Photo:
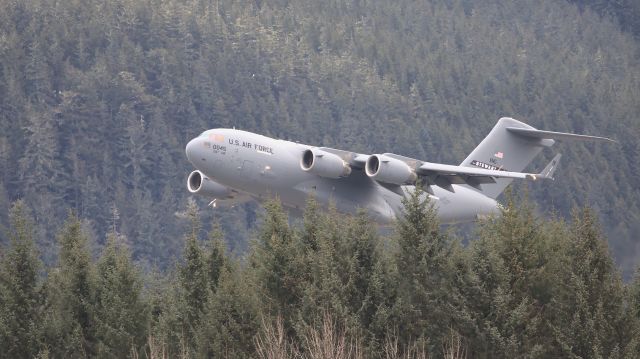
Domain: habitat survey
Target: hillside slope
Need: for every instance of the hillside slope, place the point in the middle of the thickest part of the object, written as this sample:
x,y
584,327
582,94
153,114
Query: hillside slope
x,y
97,100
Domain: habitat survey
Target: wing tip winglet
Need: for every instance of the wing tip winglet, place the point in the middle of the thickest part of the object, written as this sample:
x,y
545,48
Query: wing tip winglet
x,y
550,169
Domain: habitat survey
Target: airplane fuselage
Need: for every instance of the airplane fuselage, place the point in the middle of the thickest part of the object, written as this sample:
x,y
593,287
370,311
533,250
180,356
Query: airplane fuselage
x,y
262,167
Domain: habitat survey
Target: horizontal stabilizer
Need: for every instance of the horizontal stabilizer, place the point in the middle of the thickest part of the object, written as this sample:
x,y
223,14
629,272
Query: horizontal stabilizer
x,y
533,133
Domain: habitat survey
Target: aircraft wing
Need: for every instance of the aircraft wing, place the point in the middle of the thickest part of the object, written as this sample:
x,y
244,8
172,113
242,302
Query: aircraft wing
x,y
443,175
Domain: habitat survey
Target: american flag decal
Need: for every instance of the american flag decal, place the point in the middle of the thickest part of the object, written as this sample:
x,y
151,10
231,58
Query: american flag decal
x,y
499,155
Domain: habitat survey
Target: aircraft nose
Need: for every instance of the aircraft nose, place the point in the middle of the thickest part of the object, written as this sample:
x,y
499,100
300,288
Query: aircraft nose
x,y
190,150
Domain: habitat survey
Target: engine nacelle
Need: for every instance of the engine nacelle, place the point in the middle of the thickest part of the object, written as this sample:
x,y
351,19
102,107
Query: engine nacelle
x,y
202,185
324,164
389,170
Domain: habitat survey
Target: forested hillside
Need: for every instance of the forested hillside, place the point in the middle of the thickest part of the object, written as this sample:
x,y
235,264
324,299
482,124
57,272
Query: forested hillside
x,y
98,99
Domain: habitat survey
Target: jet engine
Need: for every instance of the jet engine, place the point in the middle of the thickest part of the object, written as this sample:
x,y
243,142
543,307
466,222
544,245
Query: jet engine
x,y
389,170
324,164
202,185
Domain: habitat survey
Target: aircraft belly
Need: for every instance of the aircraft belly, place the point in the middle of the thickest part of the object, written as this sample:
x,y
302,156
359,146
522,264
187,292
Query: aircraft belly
x,y
463,205
348,195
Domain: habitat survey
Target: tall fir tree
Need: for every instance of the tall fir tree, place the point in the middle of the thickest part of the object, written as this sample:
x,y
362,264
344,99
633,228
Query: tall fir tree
x,y
507,261
70,325
121,313
277,265
426,307
216,256
231,319
20,299
595,322
193,274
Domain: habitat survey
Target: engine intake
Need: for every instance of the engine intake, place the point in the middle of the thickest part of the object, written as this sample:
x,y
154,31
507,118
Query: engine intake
x,y
324,164
200,184
389,170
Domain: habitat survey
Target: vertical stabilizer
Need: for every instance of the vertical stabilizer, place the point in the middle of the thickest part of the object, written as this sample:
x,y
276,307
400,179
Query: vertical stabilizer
x,y
505,150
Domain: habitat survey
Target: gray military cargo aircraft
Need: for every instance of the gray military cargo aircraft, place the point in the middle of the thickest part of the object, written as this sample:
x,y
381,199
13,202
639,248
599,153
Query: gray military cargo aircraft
x,y
235,166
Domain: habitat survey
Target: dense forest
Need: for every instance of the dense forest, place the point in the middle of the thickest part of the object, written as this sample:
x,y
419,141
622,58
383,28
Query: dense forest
x,y
328,286
103,253
98,99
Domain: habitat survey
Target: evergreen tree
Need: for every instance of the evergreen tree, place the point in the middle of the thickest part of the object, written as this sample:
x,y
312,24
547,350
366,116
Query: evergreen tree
x,y
368,288
231,319
595,321
167,316
311,222
277,265
216,256
325,254
193,274
426,306
363,252
633,300
121,314
70,323
512,266
20,315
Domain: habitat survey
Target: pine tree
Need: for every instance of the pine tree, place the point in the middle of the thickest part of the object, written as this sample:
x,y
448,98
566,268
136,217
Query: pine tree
x,y
368,288
325,274
216,256
362,249
20,315
277,264
39,164
633,299
595,319
426,300
231,319
193,274
311,223
511,263
121,314
70,325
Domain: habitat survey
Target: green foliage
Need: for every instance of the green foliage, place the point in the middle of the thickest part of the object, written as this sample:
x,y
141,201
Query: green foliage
x,y
515,279
427,302
121,312
70,317
194,281
20,323
216,256
525,287
347,276
595,326
278,266
231,319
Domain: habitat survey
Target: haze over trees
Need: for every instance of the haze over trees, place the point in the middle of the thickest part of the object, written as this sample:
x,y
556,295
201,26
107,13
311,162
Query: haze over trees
x,y
98,99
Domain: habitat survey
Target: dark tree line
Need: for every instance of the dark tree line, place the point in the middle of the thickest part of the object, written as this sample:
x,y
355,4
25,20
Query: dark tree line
x,y
326,286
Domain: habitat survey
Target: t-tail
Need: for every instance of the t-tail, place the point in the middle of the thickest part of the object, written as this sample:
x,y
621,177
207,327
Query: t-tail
x,y
511,146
